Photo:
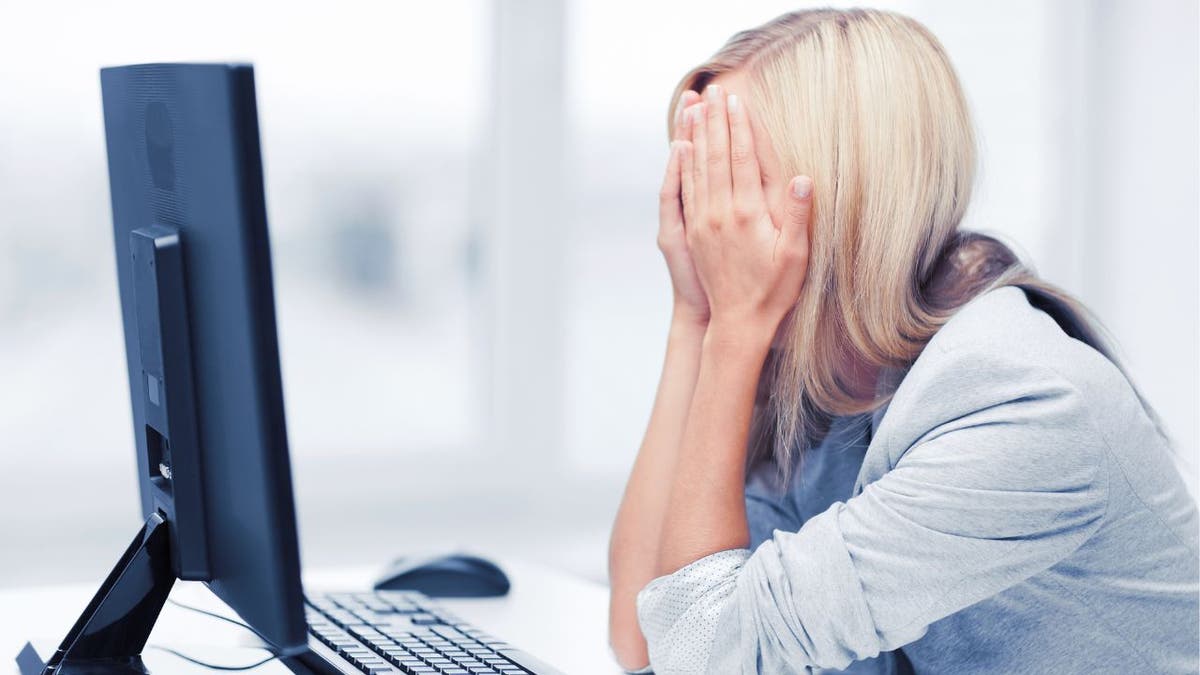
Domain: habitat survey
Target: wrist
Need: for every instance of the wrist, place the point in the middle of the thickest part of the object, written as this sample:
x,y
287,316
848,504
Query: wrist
x,y
735,349
685,319
745,336
685,337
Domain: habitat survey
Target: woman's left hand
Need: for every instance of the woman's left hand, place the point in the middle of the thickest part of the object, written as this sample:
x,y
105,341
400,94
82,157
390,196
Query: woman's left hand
x,y
751,265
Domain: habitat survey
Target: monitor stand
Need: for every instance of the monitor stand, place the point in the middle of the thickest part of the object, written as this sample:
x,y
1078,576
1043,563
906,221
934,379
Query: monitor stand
x,y
109,636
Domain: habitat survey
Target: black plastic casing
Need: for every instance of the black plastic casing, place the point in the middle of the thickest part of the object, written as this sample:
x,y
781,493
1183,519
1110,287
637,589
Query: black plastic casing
x,y
185,175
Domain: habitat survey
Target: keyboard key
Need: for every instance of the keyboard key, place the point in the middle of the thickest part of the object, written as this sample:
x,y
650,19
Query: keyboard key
x,y
449,633
476,648
403,632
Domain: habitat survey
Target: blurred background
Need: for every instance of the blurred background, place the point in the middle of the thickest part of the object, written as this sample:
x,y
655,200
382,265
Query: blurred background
x,y
462,201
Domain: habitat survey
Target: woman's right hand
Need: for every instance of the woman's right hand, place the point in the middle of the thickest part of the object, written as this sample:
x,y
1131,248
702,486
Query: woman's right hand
x,y
691,303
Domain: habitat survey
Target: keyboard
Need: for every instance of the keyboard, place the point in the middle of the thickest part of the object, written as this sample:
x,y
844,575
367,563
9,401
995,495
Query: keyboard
x,y
406,632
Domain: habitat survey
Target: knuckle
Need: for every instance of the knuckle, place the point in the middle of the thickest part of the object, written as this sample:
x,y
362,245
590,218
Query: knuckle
x,y
796,255
664,242
740,155
688,202
743,214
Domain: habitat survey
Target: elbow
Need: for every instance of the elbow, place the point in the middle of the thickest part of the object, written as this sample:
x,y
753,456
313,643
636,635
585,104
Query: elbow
x,y
625,638
629,649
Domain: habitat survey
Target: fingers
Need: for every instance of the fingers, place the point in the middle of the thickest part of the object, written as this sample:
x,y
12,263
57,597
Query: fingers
x,y
687,176
799,210
686,99
719,171
720,185
670,209
743,162
697,124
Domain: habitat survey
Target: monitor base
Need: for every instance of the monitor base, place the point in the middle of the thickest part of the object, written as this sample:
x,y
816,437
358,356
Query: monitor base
x,y
109,636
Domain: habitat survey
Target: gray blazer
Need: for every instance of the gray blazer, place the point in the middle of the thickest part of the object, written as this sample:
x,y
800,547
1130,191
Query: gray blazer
x,y
1016,511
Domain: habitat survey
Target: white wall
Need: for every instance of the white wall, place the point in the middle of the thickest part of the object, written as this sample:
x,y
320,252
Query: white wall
x,y
1142,274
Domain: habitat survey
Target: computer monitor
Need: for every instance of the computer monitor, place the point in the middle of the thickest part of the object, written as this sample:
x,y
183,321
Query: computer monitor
x,y
197,305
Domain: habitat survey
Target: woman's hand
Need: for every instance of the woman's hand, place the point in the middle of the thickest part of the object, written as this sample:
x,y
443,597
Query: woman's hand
x,y
691,304
751,266
750,253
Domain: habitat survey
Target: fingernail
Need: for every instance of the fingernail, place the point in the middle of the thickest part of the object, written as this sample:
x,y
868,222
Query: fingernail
x,y
732,103
802,186
713,92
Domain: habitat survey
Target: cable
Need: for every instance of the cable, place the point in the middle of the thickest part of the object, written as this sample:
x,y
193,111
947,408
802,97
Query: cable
x,y
222,617
217,666
213,666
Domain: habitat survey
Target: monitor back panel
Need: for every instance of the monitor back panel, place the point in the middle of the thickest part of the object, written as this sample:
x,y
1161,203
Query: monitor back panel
x,y
183,152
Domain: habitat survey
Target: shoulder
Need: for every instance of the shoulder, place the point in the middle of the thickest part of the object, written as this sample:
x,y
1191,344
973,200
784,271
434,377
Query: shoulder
x,y
1003,323
1001,363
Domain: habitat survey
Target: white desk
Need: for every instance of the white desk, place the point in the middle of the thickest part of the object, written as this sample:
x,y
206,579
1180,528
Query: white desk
x,y
558,618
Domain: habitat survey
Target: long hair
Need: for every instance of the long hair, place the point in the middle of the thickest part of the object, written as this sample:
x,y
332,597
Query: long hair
x,y
867,103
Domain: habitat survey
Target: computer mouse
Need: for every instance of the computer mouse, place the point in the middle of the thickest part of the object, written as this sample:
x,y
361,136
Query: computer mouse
x,y
452,575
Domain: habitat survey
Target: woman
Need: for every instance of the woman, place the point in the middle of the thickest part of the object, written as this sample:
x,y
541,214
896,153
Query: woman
x,y
879,442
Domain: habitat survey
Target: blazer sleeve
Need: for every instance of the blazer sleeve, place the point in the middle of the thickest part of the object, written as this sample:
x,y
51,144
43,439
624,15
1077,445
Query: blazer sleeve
x,y
984,499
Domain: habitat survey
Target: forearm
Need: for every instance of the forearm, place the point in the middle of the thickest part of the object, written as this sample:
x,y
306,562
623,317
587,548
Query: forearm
x,y
633,551
706,509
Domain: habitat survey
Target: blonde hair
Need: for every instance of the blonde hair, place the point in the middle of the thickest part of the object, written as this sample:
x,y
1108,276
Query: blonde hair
x,y
867,103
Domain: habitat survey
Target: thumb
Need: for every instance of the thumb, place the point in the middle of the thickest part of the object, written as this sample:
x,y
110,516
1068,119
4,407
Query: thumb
x,y
799,207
